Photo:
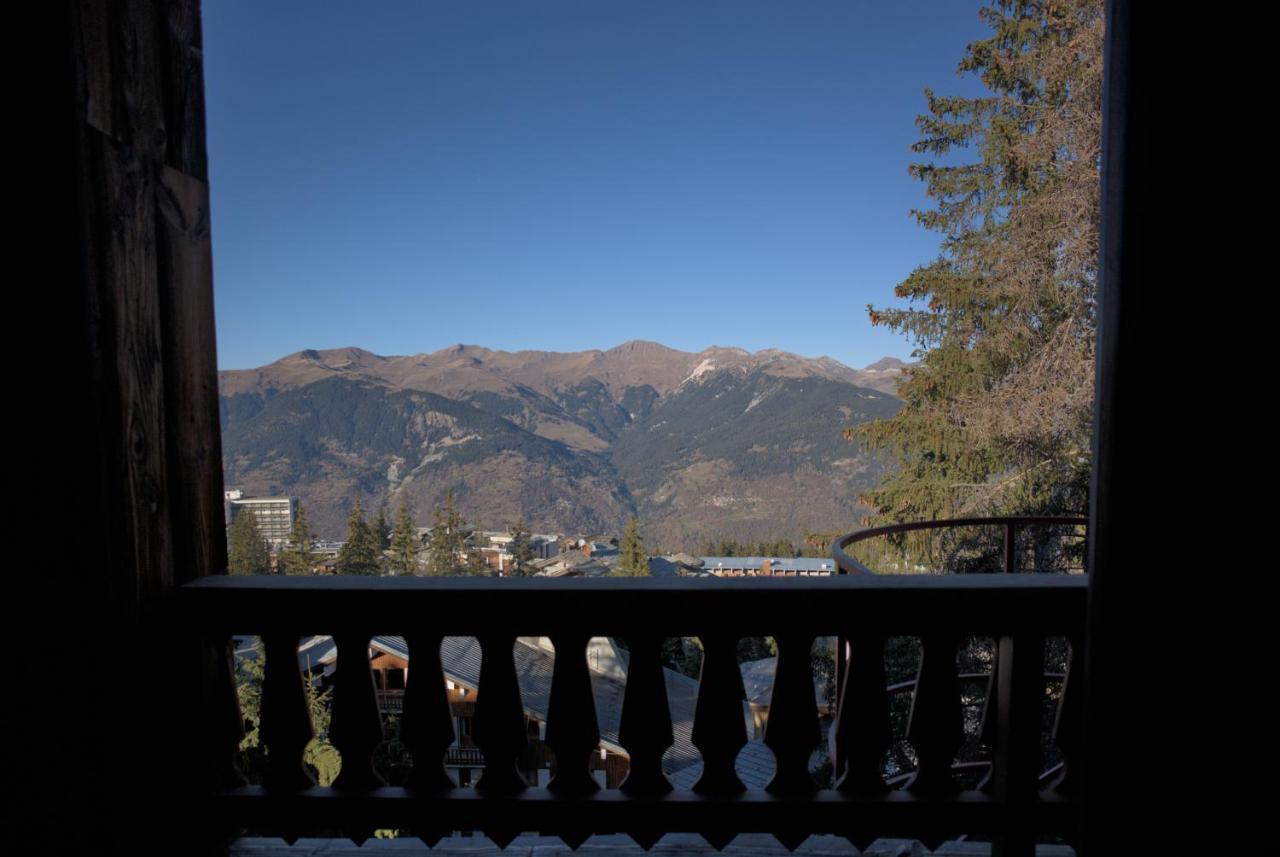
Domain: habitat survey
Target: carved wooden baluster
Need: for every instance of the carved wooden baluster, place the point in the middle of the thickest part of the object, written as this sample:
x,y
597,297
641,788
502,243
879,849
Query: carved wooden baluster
x,y
216,727
426,727
645,729
286,719
499,719
792,730
220,715
719,730
1016,766
356,728
936,724
572,731
1069,721
863,728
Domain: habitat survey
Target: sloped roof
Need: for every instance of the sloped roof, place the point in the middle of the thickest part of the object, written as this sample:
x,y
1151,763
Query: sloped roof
x,y
757,681
755,768
665,566
583,566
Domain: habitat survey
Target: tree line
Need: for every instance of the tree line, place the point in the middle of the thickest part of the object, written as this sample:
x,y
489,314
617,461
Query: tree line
x,y
379,548
374,548
813,545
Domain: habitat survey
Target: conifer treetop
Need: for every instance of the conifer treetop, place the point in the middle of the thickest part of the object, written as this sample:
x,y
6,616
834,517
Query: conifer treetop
x,y
632,561
247,550
997,412
360,553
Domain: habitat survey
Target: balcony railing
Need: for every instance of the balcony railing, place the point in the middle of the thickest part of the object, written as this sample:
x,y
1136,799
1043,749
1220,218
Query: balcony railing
x,y
463,757
391,701
1017,611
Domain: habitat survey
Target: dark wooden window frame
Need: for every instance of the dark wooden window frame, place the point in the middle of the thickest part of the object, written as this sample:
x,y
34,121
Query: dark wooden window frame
x,y
139,373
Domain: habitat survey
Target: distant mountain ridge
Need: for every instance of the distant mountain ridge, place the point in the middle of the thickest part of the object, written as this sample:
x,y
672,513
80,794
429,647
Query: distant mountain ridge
x,y
472,367
721,443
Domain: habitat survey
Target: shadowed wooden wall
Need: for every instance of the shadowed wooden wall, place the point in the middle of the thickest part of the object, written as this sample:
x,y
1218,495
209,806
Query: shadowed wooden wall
x,y
120,457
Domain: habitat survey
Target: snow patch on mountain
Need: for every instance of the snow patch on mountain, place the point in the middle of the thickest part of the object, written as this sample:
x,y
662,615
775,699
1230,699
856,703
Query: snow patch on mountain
x,y
701,369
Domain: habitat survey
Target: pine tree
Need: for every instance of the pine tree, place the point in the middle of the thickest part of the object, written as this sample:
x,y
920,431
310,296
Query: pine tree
x,y
476,563
449,534
299,557
997,412
521,549
247,551
320,755
382,529
404,544
440,557
632,562
359,554
683,655
755,648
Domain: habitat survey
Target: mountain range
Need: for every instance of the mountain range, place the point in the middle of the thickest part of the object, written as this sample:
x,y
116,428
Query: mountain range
x,y
718,444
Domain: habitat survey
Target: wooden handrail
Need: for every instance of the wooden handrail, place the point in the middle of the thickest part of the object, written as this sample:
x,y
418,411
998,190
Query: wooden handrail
x,y
894,605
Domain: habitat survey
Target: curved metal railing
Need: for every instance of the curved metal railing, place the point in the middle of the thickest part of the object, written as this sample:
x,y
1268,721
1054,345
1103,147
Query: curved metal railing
x,y
847,564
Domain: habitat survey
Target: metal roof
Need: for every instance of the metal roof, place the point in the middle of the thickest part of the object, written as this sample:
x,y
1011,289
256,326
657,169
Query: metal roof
x,y
815,564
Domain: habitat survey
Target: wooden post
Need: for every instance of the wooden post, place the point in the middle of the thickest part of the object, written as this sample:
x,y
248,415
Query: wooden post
x,y
126,445
1117,707
1016,761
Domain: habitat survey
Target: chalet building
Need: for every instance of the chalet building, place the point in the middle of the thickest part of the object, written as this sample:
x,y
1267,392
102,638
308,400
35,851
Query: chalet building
x,y
496,559
572,563
495,548
676,565
535,664
596,545
597,548
544,545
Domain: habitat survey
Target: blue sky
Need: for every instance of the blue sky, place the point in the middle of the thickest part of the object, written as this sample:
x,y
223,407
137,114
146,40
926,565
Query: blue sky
x,y
402,176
